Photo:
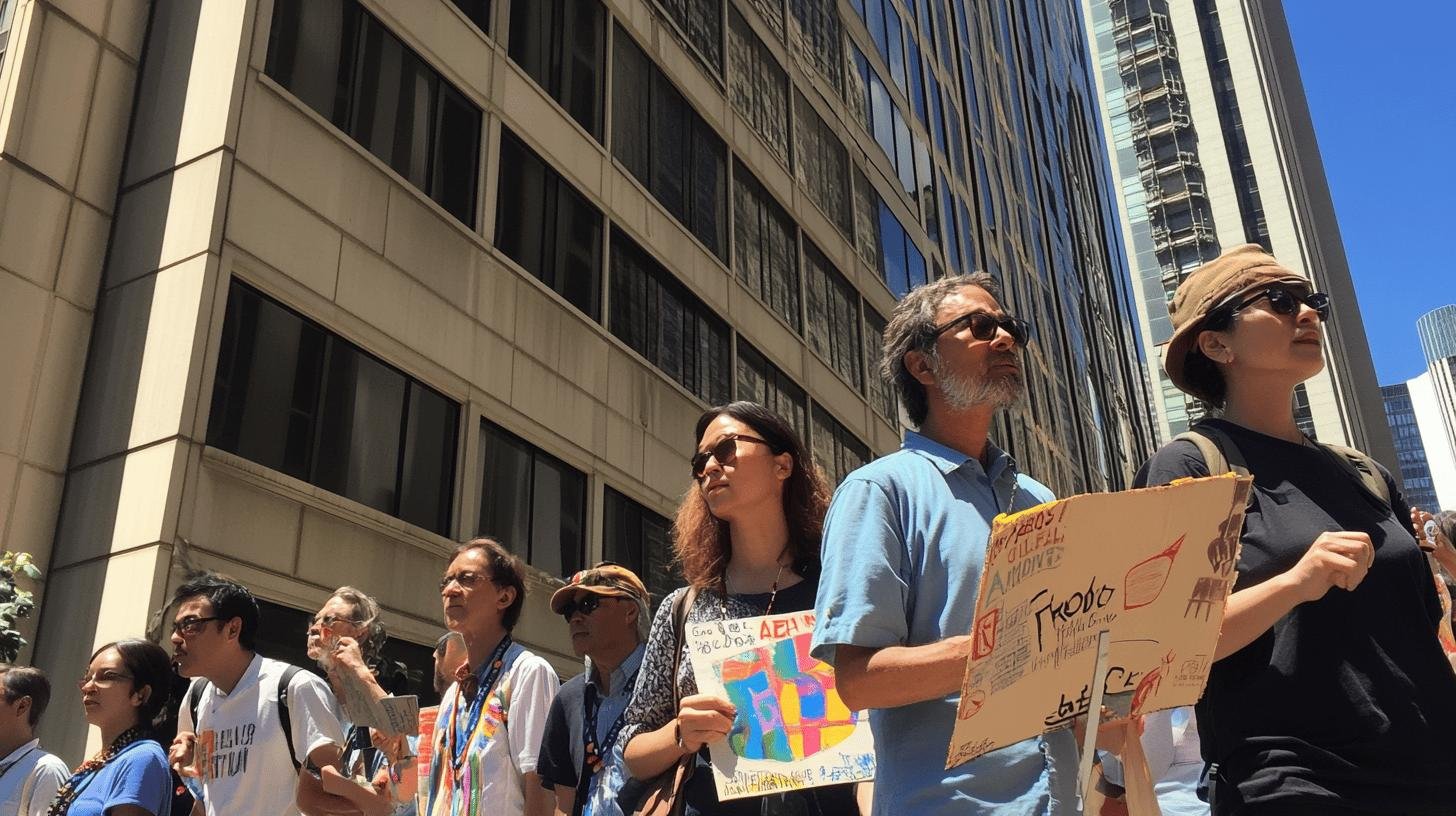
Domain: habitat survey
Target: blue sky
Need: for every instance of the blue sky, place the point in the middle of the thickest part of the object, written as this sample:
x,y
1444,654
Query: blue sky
x,y
1381,84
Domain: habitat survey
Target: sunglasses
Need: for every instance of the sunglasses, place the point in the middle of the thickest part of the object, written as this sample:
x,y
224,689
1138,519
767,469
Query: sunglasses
x,y
586,605
725,450
187,627
983,326
1283,302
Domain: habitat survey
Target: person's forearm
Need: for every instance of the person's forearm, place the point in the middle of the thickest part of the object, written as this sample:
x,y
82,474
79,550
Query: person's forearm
x,y
1252,612
900,675
652,752
539,801
1446,557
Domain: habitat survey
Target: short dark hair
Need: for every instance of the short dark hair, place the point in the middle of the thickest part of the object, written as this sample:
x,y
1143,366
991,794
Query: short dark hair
x,y
1202,377
912,328
229,599
148,665
505,571
26,681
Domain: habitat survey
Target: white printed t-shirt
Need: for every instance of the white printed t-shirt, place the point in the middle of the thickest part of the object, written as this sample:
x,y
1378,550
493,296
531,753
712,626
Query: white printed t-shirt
x,y
250,773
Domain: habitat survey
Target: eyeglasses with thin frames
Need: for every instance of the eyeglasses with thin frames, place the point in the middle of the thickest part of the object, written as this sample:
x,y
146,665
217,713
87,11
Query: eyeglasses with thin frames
x,y
466,580
105,678
725,451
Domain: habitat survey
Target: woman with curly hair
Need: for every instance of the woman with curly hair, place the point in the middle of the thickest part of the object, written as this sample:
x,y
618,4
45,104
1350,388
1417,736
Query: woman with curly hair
x,y
747,537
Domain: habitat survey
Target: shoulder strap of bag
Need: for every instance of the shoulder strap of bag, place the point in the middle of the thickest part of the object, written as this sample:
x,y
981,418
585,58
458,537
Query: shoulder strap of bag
x,y
194,699
284,719
1361,466
680,608
1219,452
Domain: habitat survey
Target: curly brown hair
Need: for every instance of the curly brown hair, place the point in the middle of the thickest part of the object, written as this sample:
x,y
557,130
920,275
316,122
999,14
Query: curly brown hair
x,y
701,541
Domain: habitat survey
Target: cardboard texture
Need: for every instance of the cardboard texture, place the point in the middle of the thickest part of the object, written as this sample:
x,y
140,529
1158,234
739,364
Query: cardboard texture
x,y
1153,567
792,730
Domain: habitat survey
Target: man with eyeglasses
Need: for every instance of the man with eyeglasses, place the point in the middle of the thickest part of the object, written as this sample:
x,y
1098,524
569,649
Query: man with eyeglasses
x,y
606,611
253,733
29,777
904,542
488,734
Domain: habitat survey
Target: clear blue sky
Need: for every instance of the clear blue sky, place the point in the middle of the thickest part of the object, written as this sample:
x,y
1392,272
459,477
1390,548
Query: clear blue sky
x,y
1381,84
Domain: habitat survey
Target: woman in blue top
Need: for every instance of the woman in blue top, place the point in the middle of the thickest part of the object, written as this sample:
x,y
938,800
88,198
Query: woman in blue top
x,y
123,690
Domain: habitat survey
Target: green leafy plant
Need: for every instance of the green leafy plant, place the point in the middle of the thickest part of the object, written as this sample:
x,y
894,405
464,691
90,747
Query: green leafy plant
x,y
15,603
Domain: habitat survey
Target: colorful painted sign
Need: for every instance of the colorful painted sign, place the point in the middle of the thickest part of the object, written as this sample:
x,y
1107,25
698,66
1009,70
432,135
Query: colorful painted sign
x,y
792,730
1152,567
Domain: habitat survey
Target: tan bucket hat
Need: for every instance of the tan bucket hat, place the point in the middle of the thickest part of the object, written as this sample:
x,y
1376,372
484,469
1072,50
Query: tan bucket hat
x,y
1237,271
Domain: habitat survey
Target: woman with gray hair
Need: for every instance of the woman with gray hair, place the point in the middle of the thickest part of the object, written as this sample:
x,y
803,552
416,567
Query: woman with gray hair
x,y
346,638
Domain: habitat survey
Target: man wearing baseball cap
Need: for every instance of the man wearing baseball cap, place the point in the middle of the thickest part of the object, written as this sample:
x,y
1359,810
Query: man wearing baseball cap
x,y
606,610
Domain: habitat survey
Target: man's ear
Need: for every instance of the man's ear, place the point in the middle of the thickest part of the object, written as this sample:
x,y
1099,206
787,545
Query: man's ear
x,y
22,707
507,597
918,364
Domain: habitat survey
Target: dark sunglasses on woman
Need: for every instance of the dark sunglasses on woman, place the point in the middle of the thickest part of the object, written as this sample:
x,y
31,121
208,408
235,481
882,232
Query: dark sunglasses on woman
x,y
983,326
725,450
1284,301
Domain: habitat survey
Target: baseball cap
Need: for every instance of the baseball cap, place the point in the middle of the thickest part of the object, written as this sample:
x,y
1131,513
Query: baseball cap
x,y
606,578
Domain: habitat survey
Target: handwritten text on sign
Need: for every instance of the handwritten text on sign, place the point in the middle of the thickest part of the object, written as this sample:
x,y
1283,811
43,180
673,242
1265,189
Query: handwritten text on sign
x,y
792,730
1152,567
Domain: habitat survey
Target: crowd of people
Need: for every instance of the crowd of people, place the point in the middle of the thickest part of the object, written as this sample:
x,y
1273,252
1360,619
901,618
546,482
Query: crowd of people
x,y
1330,692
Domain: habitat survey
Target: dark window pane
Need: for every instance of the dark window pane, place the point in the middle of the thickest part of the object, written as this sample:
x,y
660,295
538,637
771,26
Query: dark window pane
x,y
457,146
702,23
349,67
881,395
671,135
762,382
758,86
558,505
658,318
814,33
523,197
505,489
578,250
631,101
478,11
358,442
709,188
427,478
562,44
767,261
290,396
311,52
641,541
265,394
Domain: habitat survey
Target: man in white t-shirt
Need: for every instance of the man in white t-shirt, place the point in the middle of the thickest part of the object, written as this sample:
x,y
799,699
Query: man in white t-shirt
x,y
29,777
491,719
236,748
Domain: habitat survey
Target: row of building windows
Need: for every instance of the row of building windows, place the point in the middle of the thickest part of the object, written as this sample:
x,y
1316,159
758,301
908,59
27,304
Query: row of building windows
x,y
296,398
353,71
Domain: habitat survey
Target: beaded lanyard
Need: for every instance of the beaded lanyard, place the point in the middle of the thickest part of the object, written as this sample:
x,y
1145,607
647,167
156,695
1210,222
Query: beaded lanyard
x,y
87,771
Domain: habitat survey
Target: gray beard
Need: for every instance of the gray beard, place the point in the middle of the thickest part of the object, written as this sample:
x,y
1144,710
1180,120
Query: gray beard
x,y
963,392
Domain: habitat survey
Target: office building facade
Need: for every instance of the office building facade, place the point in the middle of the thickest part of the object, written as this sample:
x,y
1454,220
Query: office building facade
x,y
1212,146
1416,483
325,286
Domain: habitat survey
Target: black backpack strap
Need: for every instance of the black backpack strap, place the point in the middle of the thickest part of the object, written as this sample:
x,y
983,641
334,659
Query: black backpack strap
x,y
194,699
283,718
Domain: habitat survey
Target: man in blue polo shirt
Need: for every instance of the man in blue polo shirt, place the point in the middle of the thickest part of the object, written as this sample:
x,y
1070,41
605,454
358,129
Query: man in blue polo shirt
x,y
904,543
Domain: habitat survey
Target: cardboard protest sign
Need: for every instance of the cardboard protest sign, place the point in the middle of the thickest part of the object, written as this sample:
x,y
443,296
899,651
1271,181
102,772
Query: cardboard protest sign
x,y
1152,567
792,730
390,714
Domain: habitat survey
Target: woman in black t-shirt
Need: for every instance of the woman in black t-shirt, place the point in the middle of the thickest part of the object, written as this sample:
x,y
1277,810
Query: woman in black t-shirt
x,y
1329,693
747,536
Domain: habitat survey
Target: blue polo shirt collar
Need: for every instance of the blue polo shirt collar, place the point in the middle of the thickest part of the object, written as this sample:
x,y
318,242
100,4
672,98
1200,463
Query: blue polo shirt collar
x,y
948,459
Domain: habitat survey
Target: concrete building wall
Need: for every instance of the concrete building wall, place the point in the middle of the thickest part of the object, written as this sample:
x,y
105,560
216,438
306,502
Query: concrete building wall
x,y
1440,454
